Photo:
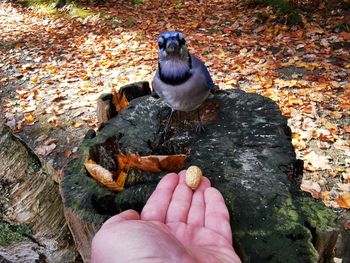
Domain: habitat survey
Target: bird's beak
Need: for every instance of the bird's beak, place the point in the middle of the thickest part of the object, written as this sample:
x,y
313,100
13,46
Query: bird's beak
x,y
172,45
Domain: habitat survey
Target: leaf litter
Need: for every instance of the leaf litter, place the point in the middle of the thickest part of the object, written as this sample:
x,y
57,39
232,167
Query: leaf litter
x,y
53,68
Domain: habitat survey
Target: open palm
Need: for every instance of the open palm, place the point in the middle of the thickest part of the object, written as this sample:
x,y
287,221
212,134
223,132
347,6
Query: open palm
x,y
176,225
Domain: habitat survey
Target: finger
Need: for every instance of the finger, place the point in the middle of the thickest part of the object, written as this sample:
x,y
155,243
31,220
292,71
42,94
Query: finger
x,y
217,217
157,205
182,177
123,216
179,205
197,209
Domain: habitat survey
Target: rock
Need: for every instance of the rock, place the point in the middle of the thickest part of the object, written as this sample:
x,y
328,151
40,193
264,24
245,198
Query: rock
x,y
32,222
246,152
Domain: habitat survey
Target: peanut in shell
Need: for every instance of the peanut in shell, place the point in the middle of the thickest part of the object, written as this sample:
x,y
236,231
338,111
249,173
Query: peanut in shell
x,y
193,176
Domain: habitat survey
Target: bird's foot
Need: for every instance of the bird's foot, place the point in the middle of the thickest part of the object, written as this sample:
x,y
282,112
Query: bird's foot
x,y
200,129
165,134
154,95
216,90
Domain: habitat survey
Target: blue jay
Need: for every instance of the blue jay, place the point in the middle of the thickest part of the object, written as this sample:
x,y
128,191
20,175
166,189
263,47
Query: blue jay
x,y
181,80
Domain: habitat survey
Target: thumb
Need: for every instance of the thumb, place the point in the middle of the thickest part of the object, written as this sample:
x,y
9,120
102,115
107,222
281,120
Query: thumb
x,y
123,216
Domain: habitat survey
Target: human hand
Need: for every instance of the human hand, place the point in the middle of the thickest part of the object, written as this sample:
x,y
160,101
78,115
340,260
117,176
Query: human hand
x,y
175,225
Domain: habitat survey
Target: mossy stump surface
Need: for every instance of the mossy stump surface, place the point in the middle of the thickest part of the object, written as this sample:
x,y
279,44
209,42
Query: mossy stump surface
x,y
246,152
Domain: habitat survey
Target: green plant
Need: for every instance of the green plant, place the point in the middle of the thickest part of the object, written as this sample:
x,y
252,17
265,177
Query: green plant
x,y
294,18
130,22
11,233
137,2
179,5
280,5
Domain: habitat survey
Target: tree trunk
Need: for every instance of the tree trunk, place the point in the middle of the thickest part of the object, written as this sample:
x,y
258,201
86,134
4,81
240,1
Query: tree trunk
x,y
246,152
32,220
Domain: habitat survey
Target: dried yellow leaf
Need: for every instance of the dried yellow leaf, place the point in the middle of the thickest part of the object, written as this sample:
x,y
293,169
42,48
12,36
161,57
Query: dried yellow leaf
x,y
103,176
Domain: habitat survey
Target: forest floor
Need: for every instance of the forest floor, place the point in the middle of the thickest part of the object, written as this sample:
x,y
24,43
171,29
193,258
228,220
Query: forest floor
x,y
54,65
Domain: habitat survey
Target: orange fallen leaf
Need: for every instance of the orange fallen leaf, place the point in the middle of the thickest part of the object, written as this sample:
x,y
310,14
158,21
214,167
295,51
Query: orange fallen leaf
x,y
126,162
347,129
29,119
345,35
35,80
171,162
121,178
57,97
119,100
78,124
53,121
296,101
86,77
151,163
67,153
344,201
321,6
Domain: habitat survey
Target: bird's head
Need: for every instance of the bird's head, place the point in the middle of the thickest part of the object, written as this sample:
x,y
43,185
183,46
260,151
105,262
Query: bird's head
x,y
172,45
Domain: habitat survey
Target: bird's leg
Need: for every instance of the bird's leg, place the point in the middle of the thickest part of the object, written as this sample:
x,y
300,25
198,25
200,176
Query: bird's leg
x,y
200,127
168,124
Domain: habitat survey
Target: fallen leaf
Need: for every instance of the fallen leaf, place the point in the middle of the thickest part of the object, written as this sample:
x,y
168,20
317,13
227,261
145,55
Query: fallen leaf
x,y
321,6
311,187
78,124
345,35
347,225
45,150
57,97
103,176
347,129
42,138
119,100
318,161
53,121
30,108
67,153
344,200
151,163
11,123
171,162
29,119
126,162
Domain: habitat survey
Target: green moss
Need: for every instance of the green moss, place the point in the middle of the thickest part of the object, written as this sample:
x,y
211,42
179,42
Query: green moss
x,y
287,211
10,234
276,232
48,6
130,22
179,5
77,11
281,5
317,215
137,2
42,5
294,18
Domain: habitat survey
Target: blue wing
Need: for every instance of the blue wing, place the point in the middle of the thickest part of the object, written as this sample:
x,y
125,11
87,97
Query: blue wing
x,y
196,62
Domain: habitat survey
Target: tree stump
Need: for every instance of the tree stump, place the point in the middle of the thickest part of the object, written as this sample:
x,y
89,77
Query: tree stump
x,y
32,224
246,152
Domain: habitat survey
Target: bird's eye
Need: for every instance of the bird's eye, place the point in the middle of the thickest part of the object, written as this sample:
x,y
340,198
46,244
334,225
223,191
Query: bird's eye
x,y
161,44
182,41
